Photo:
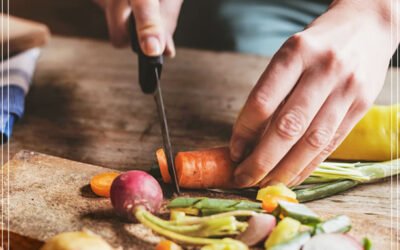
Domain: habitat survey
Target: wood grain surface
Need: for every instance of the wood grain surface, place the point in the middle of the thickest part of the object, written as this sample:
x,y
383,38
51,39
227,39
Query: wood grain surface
x,y
86,105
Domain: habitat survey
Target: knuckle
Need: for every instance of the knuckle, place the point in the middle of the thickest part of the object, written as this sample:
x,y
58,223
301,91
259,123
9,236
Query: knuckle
x,y
243,129
333,144
333,60
354,83
363,104
318,138
296,42
290,124
261,104
261,166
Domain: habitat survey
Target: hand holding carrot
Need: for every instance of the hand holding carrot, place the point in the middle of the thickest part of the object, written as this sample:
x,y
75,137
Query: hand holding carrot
x,y
315,89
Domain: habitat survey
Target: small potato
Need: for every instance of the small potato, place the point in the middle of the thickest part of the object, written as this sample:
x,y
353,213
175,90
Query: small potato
x,y
76,241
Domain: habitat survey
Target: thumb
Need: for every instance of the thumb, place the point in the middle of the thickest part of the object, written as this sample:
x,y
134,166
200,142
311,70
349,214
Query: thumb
x,y
149,26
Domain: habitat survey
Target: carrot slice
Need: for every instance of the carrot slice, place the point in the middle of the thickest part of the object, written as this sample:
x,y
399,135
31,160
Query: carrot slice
x,y
162,163
101,184
200,169
270,202
167,245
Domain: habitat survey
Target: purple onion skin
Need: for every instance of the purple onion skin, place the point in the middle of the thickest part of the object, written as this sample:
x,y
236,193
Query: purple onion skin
x,y
135,188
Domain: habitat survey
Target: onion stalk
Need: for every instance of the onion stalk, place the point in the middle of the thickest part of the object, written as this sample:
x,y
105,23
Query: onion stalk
x,y
336,177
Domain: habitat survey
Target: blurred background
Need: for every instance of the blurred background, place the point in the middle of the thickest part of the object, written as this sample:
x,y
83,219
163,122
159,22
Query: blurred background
x,y
247,26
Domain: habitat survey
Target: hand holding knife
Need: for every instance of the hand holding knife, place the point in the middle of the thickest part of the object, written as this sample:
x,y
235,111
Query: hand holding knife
x,y
150,68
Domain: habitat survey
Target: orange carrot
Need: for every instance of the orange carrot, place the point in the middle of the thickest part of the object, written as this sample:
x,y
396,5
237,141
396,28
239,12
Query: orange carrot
x,y
270,202
101,184
200,169
167,245
162,162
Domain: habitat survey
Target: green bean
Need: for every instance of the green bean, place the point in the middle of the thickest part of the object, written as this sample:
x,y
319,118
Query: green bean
x,y
324,190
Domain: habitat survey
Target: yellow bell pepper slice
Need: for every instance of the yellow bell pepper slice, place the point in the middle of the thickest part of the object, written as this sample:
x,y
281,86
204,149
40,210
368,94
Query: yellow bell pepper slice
x,y
275,190
284,231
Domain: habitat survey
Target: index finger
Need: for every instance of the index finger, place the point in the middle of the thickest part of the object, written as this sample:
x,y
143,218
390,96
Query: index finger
x,y
287,128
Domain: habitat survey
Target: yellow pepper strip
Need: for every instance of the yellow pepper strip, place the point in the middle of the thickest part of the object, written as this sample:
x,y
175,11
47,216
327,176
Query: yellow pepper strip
x,y
374,138
279,190
285,230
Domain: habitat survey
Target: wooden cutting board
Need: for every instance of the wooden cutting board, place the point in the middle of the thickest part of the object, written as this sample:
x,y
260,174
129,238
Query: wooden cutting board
x,y
49,195
21,34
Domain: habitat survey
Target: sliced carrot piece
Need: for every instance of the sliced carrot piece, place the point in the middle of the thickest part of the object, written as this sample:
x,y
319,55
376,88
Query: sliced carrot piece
x,y
101,184
270,202
200,169
167,245
162,163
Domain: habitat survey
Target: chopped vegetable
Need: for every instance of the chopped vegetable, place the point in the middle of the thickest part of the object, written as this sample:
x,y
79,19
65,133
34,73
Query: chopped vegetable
x,y
200,169
294,243
279,189
101,184
298,212
374,138
135,188
270,202
183,230
227,244
260,226
324,190
208,206
332,241
167,245
367,244
76,240
188,210
338,224
177,215
285,230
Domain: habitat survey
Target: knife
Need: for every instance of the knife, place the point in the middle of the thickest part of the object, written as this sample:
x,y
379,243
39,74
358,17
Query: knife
x,y
149,79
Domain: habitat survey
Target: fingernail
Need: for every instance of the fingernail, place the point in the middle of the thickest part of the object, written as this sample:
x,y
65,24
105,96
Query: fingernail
x,y
243,180
237,149
152,46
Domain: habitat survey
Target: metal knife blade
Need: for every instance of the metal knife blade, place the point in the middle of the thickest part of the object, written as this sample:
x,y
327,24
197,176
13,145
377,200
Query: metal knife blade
x,y
165,132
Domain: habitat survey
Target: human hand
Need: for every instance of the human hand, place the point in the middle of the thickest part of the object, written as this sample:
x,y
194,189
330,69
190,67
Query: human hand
x,y
316,88
155,23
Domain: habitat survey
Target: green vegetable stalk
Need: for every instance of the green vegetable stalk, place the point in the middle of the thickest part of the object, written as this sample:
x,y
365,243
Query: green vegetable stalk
x,y
298,212
361,172
228,244
187,231
209,206
338,224
338,177
324,190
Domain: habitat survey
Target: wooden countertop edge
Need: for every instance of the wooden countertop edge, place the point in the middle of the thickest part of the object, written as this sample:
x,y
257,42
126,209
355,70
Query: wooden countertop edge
x,y
15,241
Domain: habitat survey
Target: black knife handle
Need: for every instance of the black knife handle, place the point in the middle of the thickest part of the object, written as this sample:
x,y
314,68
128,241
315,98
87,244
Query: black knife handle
x,y
147,64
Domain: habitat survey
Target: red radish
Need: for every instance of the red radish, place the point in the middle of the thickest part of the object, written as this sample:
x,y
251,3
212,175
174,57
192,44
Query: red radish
x,y
260,226
333,241
135,188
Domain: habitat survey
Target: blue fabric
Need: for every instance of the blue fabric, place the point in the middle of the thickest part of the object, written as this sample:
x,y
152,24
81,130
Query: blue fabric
x,y
12,109
248,26
7,123
262,26
15,97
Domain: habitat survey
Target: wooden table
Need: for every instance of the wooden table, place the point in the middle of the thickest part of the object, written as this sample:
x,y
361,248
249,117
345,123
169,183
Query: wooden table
x,y
86,105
